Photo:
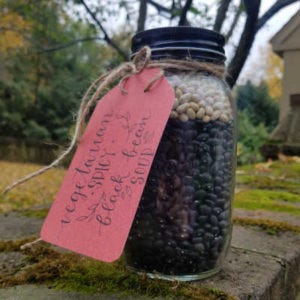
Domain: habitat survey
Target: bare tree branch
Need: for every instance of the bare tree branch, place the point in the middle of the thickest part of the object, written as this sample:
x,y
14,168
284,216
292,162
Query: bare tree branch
x,y
221,15
278,5
72,43
142,15
106,36
183,16
159,7
234,22
170,12
246,41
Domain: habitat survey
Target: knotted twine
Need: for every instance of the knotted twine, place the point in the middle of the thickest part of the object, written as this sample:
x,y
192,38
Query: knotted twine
x,y
141,61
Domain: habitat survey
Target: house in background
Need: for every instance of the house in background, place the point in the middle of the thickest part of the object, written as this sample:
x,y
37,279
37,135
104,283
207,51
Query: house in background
x,y
286,136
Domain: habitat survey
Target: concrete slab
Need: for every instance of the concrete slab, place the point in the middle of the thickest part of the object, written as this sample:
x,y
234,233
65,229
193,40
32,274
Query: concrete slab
x,y
10,262
285,245
267,215
260,266
247,275
32,292
15,226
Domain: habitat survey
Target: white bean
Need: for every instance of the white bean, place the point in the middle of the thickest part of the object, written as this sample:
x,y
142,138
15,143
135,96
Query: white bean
x,y
191,113
208,110
206,119
185,98
200,113
215,115
224,118
178,92
182,108
176,103
194,106
183,118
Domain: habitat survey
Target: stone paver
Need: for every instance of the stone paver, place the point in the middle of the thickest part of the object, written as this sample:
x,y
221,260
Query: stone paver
x,y
285,245
259,264
263,214
11,261
248,275
32,292
15,226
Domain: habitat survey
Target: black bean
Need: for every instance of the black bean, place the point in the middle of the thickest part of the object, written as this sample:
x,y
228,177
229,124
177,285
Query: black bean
x,y
218,180
199,247
201,195
214,220
215,230
218,189
223,224
205,210
217,210
220,202
203,137
197,240
213,197
202,219
190,135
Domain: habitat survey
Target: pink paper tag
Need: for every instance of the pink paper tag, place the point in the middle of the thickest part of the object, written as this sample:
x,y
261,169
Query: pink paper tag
x,y
96,204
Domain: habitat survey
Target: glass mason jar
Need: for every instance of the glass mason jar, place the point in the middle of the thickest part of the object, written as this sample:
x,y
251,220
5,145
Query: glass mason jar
x,y
182,228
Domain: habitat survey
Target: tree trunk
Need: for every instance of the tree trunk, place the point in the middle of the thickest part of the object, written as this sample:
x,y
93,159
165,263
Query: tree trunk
x,y
221,15
245,43
234,22
183,16
142,15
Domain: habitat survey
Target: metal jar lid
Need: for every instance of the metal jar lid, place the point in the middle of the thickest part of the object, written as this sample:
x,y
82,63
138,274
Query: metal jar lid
x,y
180,43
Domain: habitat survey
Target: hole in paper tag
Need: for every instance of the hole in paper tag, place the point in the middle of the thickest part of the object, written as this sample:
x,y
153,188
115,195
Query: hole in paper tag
x,y
96,204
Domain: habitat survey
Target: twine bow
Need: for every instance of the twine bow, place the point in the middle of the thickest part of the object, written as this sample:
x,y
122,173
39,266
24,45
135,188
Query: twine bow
x,y
141,61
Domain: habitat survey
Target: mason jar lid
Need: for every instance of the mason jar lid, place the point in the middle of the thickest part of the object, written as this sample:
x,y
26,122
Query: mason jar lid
x,y
181,42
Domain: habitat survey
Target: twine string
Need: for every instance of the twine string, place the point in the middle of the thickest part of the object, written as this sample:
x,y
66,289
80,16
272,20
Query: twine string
x,y
154,80
141,61
30,244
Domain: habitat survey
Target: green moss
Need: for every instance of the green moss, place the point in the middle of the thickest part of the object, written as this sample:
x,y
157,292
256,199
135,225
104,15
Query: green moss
x,y
287,169
268,182
267,200
246,168
267,195
36,213
14,245
272,227
92,276
43,265
72,272
277,168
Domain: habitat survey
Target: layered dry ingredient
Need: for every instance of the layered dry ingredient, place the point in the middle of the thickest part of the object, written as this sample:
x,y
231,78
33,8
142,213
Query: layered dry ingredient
x,y
183,223
200,97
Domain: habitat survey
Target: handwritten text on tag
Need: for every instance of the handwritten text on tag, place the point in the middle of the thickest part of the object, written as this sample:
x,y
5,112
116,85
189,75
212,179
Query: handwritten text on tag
x,y
96,204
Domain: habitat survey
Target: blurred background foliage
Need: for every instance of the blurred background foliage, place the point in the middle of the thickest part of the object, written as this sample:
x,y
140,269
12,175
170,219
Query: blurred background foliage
x,y
257,117
49,54
42,76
